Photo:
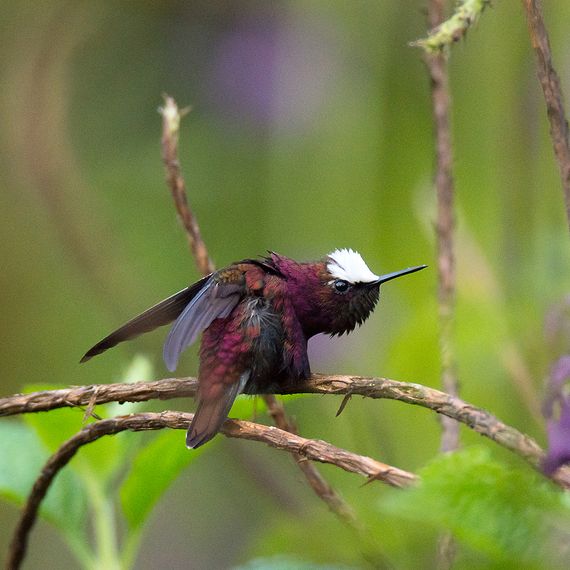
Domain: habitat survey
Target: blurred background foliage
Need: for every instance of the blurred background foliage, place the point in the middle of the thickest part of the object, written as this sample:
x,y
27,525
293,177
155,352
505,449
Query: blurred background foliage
x,y
310,130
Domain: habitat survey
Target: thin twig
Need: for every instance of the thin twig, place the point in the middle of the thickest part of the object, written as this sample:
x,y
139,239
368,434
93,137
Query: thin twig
x,y
317,482
477,419
170,129
170,134
552,90
437,67
314,450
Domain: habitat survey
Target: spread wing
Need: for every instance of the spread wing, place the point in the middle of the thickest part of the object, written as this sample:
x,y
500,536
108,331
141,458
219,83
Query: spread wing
x,y
159,315
215,300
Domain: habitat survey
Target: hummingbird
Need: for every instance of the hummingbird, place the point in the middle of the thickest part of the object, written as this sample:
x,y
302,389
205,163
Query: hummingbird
x,y
256,316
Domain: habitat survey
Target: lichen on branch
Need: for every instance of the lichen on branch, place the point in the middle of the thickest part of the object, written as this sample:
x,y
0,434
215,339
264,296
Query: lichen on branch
x,y
453,29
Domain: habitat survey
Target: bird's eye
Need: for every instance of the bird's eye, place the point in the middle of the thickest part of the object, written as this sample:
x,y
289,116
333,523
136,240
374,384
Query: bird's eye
x,y
341,286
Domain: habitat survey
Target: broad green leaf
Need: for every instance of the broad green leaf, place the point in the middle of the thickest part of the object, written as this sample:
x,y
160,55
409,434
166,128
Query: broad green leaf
x,y
22,456
57,426
105,455
154,469
509,514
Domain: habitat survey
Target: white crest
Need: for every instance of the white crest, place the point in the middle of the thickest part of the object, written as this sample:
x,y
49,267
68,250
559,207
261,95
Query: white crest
x,y
348,264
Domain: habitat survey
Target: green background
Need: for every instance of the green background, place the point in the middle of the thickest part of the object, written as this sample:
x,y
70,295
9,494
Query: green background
x,y
311,130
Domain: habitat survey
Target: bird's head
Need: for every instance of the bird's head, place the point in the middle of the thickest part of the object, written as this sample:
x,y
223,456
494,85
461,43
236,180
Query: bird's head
x,y
349,290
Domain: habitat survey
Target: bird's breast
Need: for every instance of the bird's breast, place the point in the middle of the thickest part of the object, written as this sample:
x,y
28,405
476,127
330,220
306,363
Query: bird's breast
x,y
267,357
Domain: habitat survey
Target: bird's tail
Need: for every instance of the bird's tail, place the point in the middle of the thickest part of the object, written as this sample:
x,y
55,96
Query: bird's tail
x,y
211,414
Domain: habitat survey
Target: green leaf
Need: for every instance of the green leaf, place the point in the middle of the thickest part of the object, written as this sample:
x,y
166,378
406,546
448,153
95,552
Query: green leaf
x,y
104,456
154,469
22,457
101,457
508,514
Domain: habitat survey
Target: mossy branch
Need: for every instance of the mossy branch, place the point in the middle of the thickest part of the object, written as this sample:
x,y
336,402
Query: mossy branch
x,y
477,419
455,28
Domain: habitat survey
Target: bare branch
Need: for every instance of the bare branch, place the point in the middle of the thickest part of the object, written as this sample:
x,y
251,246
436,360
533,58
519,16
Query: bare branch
x,y
314,450
166,389
552,90
477,419
317,482
170,128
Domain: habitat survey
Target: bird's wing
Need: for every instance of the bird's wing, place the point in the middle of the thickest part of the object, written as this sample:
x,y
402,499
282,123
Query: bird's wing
x,y
215,300
159,315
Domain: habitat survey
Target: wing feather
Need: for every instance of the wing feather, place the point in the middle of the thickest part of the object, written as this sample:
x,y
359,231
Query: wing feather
x,y
215,301
159,315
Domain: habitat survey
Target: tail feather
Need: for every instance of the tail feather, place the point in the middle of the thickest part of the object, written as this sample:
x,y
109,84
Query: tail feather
x,y
211,414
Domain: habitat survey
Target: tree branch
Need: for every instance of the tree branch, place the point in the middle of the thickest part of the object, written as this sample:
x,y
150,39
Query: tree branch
x,y
550,84
477,419
314,450
317,482
44,401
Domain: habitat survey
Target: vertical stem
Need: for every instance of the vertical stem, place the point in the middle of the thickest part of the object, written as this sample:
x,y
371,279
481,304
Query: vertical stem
x,y
131,548
317,482
81,551
441,101
437,67
550,84
107,553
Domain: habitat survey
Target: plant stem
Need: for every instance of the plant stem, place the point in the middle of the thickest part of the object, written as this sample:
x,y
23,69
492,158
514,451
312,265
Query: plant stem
x,y
107,553
131,548
79,549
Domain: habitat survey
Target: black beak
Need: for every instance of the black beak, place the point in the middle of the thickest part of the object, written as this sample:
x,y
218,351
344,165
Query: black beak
x,y
390,276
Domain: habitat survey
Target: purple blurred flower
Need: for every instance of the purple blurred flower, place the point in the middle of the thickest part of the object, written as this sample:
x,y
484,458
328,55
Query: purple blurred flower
x,y
274,71
245,69
557,413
